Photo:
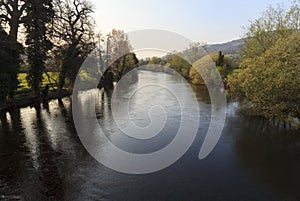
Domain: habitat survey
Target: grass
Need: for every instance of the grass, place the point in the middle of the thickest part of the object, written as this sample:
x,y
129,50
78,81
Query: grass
x,y
24,87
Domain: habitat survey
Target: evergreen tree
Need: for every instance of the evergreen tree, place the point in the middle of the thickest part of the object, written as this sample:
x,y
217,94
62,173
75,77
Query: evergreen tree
x,y
220,60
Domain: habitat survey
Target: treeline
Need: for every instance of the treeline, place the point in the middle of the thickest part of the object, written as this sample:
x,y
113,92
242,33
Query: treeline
x,y
58,35
265,78
37,36
193,61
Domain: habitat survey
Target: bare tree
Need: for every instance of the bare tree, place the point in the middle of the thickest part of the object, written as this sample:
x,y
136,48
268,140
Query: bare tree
x,y
11,12
73,35
118,53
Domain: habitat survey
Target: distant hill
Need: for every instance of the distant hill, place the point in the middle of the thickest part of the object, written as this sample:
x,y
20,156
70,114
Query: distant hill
x,y
231,47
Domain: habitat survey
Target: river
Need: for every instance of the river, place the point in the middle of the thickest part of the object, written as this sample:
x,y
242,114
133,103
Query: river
x,y
42,157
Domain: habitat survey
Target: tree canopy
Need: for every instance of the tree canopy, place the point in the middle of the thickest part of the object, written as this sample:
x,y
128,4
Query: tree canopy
x,y
223,63
40,13
269,82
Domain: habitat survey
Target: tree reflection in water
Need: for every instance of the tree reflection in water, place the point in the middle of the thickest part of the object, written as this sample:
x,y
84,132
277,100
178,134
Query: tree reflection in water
x,y
271,155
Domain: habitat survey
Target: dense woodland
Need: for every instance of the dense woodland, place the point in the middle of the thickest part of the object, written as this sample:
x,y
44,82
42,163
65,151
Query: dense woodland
x,y
43,43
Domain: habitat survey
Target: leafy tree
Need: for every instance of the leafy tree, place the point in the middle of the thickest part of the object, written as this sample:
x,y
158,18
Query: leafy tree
x,y
124,64
118,69
268,83
274,24
39,14
181,62
224,65
144,61
180,65
273,90
155,60
195,77
207,67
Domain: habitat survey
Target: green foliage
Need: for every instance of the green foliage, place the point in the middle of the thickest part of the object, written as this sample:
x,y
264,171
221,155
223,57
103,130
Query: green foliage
x,y
220,59
124,64
195,77
270,82
264,32
223,67
207,65
204,71
155,60
180,65
39,14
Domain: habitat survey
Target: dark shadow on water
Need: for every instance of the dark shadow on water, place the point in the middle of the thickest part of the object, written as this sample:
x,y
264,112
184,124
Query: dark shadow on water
x,y
270,155
30,166
11,156
201,93
43,159
50,177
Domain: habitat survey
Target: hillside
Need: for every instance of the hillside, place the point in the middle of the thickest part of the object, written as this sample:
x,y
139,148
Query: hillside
x,y
231,47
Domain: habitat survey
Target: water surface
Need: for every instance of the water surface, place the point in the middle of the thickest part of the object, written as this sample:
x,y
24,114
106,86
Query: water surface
x,y
42,157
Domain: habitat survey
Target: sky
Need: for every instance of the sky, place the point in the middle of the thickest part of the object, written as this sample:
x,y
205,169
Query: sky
x,y
210,21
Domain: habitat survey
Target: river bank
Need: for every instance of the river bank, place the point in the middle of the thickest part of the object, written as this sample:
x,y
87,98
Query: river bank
x,y
42,157
29,100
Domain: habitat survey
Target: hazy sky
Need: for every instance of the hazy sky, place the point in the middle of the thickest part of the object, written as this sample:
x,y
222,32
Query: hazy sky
x,y
211,21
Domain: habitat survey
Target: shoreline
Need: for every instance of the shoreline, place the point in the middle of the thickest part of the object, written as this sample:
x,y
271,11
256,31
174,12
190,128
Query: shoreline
x,y
30,101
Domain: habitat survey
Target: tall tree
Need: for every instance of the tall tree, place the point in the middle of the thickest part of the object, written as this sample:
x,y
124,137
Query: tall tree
x,y
9,56
39,15
74,32
118,53
11,12
220,59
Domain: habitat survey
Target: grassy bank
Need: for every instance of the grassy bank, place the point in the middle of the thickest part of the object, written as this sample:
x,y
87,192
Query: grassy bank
x,y
49,78
24,96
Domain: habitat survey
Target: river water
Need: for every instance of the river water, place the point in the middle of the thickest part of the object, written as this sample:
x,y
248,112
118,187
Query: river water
x,y
42,157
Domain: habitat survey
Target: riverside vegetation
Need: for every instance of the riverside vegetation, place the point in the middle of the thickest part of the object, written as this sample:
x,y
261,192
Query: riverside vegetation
x,y
263,76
